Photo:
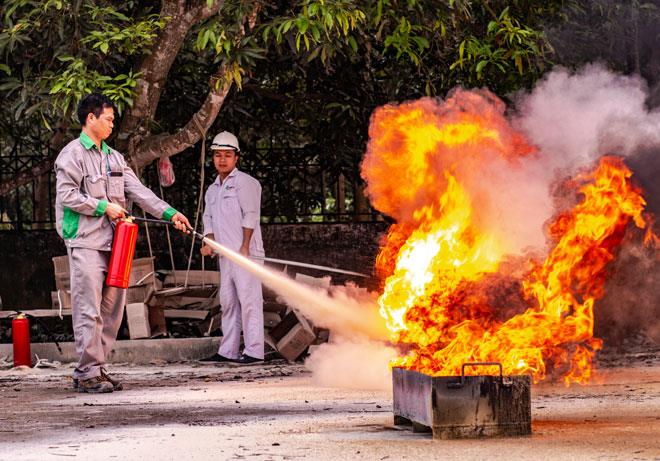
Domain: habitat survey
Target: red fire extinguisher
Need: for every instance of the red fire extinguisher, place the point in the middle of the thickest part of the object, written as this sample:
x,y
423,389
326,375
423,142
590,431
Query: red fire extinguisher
x,y
121,257
20,332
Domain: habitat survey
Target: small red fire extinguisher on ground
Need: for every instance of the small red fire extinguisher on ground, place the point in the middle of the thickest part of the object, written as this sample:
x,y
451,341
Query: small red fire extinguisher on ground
x,y
121,257
20,332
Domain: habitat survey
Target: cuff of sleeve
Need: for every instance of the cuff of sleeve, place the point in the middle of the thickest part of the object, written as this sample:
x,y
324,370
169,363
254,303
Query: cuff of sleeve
x,y
167,214
100,208
249,223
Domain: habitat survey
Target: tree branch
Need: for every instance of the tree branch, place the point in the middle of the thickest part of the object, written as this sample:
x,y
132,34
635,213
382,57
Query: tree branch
x,y
166,145
156,66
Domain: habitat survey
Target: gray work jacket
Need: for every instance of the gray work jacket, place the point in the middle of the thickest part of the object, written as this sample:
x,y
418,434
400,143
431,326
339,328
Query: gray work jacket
x,y
89,178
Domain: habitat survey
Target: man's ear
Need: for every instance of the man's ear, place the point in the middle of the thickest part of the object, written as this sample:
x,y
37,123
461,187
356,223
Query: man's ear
x,y
90,117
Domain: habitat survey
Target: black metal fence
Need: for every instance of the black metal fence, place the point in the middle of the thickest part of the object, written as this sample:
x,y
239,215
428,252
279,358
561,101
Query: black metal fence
x,y
298,185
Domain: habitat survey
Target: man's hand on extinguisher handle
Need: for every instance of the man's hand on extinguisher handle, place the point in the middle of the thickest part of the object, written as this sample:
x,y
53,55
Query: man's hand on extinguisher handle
x,y
115,211
181,223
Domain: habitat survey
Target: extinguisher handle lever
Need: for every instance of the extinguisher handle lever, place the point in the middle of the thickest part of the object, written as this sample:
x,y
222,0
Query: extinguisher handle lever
x,y
162,221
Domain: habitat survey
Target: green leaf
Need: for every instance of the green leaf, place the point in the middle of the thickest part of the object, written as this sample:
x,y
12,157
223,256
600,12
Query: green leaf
x,y
302,24
421,43
316,33
461,52
480,66
353,44
314,54
56,88
519,64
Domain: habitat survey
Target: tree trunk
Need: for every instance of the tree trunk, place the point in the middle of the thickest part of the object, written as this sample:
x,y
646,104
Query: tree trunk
x,y
155,68
166,145
143,151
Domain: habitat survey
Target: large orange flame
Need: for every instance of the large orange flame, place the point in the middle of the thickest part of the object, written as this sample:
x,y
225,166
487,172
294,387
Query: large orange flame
x,y
418,154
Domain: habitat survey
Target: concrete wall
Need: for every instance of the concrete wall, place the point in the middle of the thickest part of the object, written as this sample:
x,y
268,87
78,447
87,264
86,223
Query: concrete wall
x,y
26,268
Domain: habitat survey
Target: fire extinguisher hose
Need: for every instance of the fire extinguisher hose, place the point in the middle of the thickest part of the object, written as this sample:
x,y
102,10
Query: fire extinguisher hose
x,y
277,261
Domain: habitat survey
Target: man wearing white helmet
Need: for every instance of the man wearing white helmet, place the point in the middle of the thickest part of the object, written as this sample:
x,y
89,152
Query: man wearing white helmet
x,y
232,214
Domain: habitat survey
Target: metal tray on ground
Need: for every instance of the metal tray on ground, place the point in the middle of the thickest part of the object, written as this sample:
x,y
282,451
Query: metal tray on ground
x,y
463,406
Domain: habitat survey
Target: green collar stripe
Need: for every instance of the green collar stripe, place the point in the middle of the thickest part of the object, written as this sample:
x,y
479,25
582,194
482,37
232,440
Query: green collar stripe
x,y
87,143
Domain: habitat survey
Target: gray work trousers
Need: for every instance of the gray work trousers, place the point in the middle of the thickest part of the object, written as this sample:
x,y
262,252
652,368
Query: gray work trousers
x,y
242,305
97,310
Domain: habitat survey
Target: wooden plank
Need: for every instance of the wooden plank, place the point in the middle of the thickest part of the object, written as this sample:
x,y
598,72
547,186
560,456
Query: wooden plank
x,y
36,313
185,314
178,298
195,277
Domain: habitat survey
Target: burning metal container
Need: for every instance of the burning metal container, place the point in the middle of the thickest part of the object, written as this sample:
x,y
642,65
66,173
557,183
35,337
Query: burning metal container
x,y
463,406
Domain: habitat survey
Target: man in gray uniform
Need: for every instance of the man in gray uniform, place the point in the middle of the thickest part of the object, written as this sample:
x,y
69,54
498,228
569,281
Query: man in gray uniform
x,y
232,214
93,185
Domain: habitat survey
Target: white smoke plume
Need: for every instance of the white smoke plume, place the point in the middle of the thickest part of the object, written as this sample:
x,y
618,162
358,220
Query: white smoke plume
x,y
352,364
576,117
573,118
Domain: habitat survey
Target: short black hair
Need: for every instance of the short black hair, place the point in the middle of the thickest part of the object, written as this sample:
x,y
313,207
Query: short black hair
x,y
93,103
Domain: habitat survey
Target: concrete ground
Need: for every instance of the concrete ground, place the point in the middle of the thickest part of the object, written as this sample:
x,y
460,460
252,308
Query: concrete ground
x,y
189,411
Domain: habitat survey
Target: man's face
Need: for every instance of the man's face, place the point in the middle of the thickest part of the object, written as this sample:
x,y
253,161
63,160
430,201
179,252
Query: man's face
x,y
224,160
101,126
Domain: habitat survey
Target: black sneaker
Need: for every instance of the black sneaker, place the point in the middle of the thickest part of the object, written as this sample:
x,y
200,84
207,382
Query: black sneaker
x,y
217,358
247,359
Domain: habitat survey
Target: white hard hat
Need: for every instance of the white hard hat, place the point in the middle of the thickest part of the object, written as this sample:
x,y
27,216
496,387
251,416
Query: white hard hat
x,y
225,140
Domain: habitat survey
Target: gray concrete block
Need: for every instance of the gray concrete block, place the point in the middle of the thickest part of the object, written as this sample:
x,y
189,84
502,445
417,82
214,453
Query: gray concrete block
x,y
137,351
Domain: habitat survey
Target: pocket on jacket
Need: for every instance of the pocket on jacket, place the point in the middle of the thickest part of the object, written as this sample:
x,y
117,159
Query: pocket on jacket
x,y
230,202
116,188
95,186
